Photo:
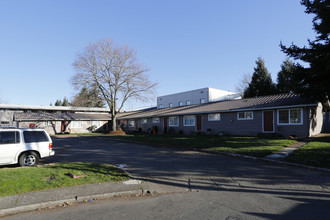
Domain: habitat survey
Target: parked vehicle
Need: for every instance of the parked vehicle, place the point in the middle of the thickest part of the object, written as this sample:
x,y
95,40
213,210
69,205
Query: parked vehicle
x,y
24,146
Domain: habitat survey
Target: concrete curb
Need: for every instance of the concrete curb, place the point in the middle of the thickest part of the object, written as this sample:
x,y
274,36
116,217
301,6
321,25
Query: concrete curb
x,y
72,201
33,207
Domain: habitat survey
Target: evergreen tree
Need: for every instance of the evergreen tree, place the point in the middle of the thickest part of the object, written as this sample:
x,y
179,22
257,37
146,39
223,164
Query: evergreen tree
x,y
58,103
286,81
65,102
313,81
88,98
261,83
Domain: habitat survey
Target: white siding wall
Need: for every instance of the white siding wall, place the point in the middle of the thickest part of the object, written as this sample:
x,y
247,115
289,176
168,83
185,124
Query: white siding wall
x,y
194,96
316,120
217,94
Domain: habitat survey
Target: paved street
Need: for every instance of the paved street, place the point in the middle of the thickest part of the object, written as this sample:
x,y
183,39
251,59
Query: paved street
x,y
212,186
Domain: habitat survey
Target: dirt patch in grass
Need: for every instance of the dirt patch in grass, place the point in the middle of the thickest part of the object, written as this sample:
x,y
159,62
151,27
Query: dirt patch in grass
x,y
116,133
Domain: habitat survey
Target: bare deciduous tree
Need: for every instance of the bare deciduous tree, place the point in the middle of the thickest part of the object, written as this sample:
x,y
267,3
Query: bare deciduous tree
x,y
244,83
116,73
2,100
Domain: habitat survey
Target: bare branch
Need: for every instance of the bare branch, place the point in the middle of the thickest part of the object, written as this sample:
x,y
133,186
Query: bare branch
x,y
115,71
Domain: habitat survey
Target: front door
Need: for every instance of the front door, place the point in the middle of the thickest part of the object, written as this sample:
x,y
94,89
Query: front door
x,y
63,126
136,125
268,121
165,124
199,123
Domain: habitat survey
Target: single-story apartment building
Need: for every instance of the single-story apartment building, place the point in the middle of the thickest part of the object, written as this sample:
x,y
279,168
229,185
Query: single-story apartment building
x,y
283,114
55,119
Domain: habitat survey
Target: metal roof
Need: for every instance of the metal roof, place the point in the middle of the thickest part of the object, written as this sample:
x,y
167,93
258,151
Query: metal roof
x,y
52,108
250,104
35,116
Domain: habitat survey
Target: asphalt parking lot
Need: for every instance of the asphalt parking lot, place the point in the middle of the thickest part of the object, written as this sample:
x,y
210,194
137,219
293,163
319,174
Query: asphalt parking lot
x,y
205,185
171,166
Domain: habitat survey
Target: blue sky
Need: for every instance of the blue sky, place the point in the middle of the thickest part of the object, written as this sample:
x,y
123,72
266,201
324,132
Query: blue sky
x,y
187,44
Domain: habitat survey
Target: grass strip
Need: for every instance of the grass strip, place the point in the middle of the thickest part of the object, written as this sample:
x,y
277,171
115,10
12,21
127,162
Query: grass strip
x,y
28,179
315,153
251,146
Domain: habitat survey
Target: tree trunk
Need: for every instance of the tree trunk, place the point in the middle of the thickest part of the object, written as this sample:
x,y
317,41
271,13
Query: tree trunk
x,y
114,124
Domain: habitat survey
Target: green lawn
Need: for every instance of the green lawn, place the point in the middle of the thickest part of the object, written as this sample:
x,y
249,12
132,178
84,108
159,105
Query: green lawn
x,y
79,134
315,153
252,146
27,179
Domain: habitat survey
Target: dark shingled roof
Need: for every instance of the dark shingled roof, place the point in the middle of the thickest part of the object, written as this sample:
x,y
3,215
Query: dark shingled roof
x,y
34,116
258,103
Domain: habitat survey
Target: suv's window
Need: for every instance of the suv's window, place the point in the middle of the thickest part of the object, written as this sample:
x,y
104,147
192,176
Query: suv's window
x,y
34,136
9,137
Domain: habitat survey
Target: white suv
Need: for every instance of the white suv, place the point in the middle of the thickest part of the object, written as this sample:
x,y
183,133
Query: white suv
x,y
24,146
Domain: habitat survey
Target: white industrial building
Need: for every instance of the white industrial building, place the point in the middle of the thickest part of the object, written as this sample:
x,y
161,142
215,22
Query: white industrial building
x,y
196,96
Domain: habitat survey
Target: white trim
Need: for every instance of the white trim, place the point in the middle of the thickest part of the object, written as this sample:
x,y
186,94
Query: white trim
x,y
263,125
289,123
144,121
169,124
208,117
184,122
242,119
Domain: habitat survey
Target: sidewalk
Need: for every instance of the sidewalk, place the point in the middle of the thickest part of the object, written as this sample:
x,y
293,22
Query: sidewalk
x,y
85,193
286,151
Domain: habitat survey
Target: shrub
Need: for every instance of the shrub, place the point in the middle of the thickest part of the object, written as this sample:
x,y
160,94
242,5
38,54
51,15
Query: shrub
x,y
91,128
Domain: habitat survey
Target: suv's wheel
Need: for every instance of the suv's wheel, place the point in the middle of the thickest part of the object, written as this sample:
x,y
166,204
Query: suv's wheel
x,y
28,159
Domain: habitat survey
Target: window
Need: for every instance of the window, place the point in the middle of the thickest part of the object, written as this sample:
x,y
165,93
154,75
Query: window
x,y
161,106
245,115
155,120
144,121
202,101
188,102
290,116
34,136
214,117
174,121
170,105
5,123
180,103
131,123
9,137
189,120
